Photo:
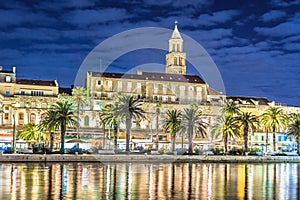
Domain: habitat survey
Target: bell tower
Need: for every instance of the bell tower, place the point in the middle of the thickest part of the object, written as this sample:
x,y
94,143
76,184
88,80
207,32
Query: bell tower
x,y
175,59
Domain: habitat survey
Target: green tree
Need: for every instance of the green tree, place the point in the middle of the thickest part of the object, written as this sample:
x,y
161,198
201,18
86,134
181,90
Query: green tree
x,y
246,120
61,115
192,124
172,124
227,128
108,117
230,108
128,107
48,124
273,119
79,98
32,132
294,129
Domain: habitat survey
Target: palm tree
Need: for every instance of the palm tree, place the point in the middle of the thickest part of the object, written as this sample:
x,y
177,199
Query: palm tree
x,y
231,108
191,124
246,120
32,132
108,117
48,124
227,128
129,107
273,119
79,98
294,129
172,124
61,115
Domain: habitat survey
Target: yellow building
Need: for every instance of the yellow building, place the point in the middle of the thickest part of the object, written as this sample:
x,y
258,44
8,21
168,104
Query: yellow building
x,y
23,100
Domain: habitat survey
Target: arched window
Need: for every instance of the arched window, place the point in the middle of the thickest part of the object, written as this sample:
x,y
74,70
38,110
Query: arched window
x,y
175,61
178,48
32,118
86,121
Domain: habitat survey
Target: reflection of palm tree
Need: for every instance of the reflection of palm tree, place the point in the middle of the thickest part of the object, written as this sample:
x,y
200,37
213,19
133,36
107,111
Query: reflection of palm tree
x,y
192,124
246,120
108,117
273,119
294,129
61,115
172,123
226,127
129,108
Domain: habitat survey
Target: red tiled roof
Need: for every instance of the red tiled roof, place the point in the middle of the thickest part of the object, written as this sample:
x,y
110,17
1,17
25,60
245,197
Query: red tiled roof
x,y
154,76
35,82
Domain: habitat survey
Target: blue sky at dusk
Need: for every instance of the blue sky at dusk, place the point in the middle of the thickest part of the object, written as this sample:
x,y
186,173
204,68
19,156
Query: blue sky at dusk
x,y
255,44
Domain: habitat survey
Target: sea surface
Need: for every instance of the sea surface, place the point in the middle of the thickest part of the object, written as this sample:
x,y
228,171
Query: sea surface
x,y
149,181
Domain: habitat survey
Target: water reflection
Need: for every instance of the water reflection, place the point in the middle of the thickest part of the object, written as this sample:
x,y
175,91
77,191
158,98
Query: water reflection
x,y
165,181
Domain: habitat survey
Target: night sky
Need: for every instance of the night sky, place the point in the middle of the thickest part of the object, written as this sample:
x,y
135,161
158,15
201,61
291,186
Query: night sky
x,y
255,44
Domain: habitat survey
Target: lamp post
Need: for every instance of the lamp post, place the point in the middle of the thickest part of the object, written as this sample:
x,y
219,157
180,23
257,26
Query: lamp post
x,y
157,116
14,134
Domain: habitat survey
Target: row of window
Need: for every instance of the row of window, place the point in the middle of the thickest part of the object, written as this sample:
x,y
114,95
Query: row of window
x,y
263,138
155,86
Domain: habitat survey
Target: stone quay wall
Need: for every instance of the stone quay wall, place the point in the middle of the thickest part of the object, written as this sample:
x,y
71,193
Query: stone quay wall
x,y
23,158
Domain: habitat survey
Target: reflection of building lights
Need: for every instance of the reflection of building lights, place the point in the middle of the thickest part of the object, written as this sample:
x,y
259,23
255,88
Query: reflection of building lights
x,y
150,181
209,183
129,180
107,181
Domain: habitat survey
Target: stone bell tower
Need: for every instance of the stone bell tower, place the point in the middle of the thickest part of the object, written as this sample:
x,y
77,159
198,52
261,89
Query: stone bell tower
x,y
175,59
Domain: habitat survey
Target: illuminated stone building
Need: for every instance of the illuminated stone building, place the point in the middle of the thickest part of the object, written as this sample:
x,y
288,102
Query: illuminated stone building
x,y
159,91
23,101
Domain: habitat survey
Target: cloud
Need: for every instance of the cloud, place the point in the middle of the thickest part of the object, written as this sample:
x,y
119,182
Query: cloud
x,y
21,17
57,5
282,30
283,3
217,17
273,15
88,17
24,34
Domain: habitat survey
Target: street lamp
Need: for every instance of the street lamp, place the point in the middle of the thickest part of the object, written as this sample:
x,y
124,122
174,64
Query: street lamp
x,y
14,134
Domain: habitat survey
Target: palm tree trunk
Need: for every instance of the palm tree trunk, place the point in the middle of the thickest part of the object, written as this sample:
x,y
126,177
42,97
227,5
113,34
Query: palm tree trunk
x,y
274,139
62,137
225,144
51,141
267,141
128,128
116,137
190,135
77,128
173,142
246,138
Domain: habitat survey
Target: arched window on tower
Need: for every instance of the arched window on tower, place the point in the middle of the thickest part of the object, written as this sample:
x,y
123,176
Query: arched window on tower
x,y
86,121
178,47
173,47
180,61
175,61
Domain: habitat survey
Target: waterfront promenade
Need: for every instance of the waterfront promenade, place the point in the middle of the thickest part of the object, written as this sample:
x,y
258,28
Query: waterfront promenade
x,y
146,158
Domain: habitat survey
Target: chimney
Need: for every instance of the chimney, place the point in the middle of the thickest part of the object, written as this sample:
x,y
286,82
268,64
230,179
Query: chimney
x,y
139,71
14,69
